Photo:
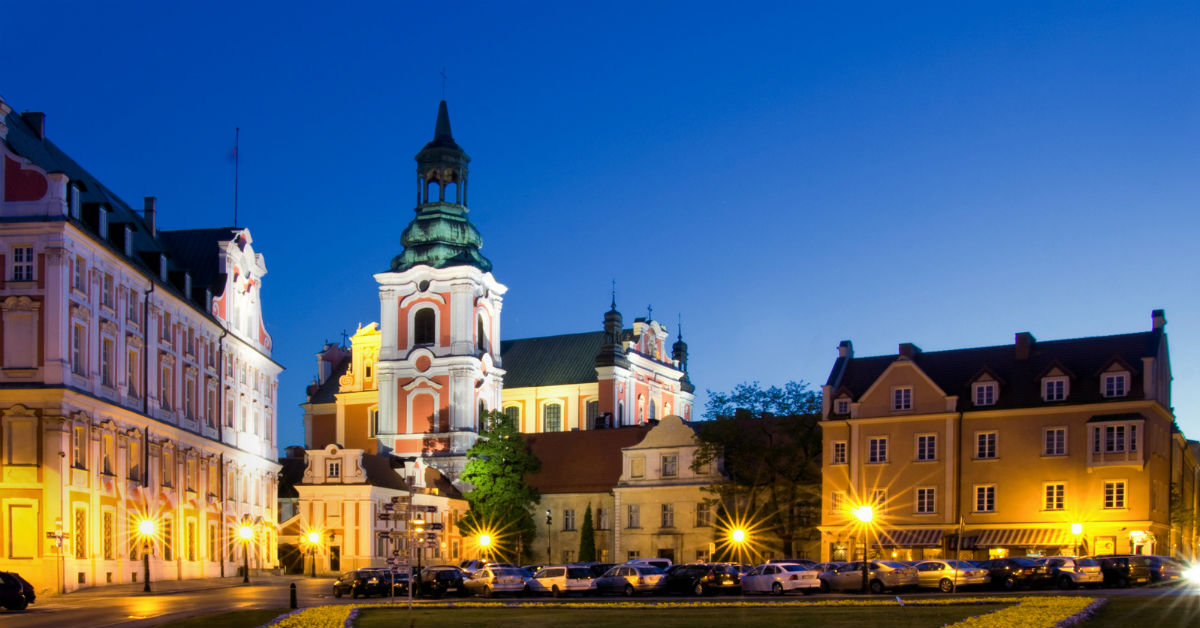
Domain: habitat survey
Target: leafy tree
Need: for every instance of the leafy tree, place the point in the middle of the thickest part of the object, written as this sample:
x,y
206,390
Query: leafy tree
x,y
587,538
500,500
770,443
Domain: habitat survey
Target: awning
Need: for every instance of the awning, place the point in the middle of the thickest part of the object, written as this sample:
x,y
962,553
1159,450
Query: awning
x,y
910,538
1020,537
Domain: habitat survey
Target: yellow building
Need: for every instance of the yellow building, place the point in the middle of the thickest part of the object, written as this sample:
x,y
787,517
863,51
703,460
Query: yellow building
x,y
1031,448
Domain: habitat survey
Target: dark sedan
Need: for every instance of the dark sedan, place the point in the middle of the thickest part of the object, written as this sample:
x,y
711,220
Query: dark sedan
x,y
1124,570
363,582
1011,573
16,594
440,580
702,579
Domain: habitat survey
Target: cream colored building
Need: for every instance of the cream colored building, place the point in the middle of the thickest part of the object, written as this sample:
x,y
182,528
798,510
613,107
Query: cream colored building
x,y
1038,447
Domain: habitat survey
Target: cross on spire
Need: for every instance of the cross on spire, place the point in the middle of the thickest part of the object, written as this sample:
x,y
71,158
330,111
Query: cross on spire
x,y
649,313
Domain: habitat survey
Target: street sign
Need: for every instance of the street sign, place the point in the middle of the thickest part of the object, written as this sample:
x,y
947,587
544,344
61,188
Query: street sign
x,y
401,499
383,534
432,536
388,507
436,526
391,561
394,553
383,516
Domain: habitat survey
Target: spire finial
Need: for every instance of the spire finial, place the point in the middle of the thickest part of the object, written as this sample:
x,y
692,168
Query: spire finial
x,y
614,294
441,130
679,325
649,313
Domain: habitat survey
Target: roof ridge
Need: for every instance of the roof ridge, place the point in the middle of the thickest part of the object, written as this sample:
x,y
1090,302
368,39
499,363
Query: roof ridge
x,y
1011,345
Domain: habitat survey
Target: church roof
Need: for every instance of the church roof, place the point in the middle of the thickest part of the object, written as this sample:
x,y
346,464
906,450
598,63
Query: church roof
x,y
586,461
551,360
328,390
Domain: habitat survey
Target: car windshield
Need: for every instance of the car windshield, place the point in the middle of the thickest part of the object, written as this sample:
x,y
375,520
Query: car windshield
x,y
1086,562
648,571
794,567
959,564
895,565
1023,562
579,572
611,572
507,571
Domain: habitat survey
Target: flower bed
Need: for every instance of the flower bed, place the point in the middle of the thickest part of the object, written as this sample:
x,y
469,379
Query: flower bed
x,y
1035,612
332,616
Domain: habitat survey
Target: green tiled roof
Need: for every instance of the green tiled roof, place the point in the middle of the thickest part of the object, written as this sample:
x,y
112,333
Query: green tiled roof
x,y
551,360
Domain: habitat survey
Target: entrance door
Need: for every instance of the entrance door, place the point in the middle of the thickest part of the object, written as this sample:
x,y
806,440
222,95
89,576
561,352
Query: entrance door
x,y
667,553
335,559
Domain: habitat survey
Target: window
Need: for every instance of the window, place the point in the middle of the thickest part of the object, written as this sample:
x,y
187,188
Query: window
x,y
79,447
1115,384
481,341
79,533
668,515
165,327
1054,388
1114,438
902,398
552,418
985,445
190,533
1055,497
108,454
108,534
985,394
879,498
189,397
79,349
841,406
135,460
514,413
80,281
210,407
164,388
22,263
839,452
212,542
1055,439
107,346
985,498
132,368
637,467
373,422
670,465
168,468
131,307
926,501
703,515
424,322
189,481
591,412
108,293
633,516
877,449
927,447
1114,494
568,519
168,539
335,470
837,501
602,519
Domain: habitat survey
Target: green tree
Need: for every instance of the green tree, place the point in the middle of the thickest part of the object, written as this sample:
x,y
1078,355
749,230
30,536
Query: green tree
x,y
500,500
770,443
587,538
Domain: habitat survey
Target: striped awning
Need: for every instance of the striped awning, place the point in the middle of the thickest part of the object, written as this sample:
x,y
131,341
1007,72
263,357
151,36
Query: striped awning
x,y
910,538
1021,537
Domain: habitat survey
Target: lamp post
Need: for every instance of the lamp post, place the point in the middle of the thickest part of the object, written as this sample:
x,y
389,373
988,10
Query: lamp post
x,y
146,531
485,544
548,520
314,539
865,514
245,533
1077,531
738,537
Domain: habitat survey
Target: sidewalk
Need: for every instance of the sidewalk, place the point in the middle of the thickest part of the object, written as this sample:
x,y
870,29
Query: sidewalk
x,y
168,587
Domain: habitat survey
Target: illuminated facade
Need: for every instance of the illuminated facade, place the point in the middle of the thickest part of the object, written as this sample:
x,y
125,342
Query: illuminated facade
x,y
136,382
1035,447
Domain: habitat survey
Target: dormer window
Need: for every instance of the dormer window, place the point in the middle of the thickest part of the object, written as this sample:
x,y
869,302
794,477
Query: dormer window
x,y
102,222
335,470
841,406
73,201
902,398
985,394
1054,388
128,241
1116,384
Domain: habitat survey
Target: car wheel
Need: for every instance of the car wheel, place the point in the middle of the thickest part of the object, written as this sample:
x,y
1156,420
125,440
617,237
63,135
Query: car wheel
x,y
824,586
876,587
1010,583
698,589
1065,582
1124,583
526,591
629,590
777,589
946,585
354,593
555,592
487,591
337,593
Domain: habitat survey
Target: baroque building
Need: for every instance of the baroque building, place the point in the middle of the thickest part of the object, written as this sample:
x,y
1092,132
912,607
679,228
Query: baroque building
x,y
1037,447
137,381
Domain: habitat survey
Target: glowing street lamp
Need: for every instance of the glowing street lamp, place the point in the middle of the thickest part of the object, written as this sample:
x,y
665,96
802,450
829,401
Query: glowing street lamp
x,y
738,535
1077,531
313,538
246,533
146,532
865,514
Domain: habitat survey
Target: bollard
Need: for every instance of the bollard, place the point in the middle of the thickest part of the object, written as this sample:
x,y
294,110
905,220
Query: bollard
x,y
293,589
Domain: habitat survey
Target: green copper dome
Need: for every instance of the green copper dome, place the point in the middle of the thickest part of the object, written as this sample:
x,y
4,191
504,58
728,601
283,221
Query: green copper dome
x,y
441,235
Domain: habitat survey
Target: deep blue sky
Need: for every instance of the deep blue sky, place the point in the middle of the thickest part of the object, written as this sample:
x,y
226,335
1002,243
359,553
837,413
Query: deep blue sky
x,y
784,176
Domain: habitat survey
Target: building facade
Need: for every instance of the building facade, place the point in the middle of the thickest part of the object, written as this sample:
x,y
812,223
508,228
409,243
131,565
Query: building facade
x,y
1036,447
137,382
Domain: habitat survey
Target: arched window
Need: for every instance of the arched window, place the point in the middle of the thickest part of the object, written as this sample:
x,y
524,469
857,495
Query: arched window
x,y
514,413
480,335
479,417
592,411
620,413
652,414
641,409
424,330
552,418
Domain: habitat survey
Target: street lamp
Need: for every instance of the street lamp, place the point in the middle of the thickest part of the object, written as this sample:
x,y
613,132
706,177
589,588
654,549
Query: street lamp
x,y
245,533
485,544
314,541
1077,531
146,531
865,514
548,520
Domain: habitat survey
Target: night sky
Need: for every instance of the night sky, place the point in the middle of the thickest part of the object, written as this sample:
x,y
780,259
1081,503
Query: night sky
x,y
782,176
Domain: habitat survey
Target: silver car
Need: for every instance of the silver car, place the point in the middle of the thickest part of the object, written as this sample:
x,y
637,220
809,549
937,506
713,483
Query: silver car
x,y
881,575
561,579
492,580
944,575
780,578
1070,572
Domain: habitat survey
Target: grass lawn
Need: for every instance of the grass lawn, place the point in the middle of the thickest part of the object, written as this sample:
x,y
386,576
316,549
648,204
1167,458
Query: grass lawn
x,y
1160,612
232,619
833,617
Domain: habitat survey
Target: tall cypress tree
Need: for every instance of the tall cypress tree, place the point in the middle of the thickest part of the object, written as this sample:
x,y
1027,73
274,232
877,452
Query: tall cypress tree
x,y
587,538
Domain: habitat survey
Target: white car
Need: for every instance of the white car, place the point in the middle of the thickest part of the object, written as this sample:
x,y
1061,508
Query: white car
x,y
1070,572
562,579
781,578
492,580
662,563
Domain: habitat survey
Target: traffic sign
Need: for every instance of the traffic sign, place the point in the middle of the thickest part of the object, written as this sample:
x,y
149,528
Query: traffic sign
x,y
432,536
436,526
383,534
394,553
401,499
383,516
388,507
391,561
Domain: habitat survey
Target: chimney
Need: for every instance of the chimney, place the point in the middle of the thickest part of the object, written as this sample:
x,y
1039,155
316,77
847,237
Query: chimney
x,y
36,121
908,349
148,214
1158,319
1023,344
845,349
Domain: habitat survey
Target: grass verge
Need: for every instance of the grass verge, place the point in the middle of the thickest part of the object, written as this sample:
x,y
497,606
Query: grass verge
x,y
1167,611
232,619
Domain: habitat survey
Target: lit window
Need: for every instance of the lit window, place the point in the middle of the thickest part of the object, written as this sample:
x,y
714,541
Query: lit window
x,y
927,447
985,498
1055,441
1115,385
1055,497
902,398
877,449
879,498
552,418
926,501
22,263
837,500
985,445
1114,494
841,406
1054,388
633,516
839,452
985,394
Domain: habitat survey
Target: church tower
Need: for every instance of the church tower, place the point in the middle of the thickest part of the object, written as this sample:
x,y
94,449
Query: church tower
x,y
439,356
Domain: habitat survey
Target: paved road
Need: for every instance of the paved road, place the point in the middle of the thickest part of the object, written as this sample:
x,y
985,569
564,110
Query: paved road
x,y
128,607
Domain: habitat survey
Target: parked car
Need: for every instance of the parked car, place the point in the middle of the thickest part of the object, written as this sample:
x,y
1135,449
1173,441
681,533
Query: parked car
x,y
439,580
363,582
1122,570
702,579
792,561
16,594
560,580
1012,573
471,566
630,579
599,569
1069,572
1165,568
401,578
661,563
881,575
490,581
946,575
781,578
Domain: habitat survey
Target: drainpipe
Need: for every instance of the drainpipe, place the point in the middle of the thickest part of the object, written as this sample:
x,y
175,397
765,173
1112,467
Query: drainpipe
x,y
146,351
958,497
221,526
221,437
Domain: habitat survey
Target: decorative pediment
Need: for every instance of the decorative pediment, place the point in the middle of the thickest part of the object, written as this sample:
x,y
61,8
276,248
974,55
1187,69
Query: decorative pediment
x,y
133,340
80,312
1116,364
1056,369
108,327
421,381
20,304
166,358
17,411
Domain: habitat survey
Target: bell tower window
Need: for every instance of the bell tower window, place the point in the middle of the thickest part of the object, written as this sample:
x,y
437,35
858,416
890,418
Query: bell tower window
x,y
481,340
423,326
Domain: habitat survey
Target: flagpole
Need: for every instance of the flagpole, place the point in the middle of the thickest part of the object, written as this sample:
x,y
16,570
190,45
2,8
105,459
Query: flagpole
x,y
236,136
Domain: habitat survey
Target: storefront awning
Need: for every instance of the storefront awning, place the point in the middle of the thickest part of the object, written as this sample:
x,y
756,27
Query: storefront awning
x,y
1022,537
910,538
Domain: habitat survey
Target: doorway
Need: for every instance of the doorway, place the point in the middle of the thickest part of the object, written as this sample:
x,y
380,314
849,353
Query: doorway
x,y
335,559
